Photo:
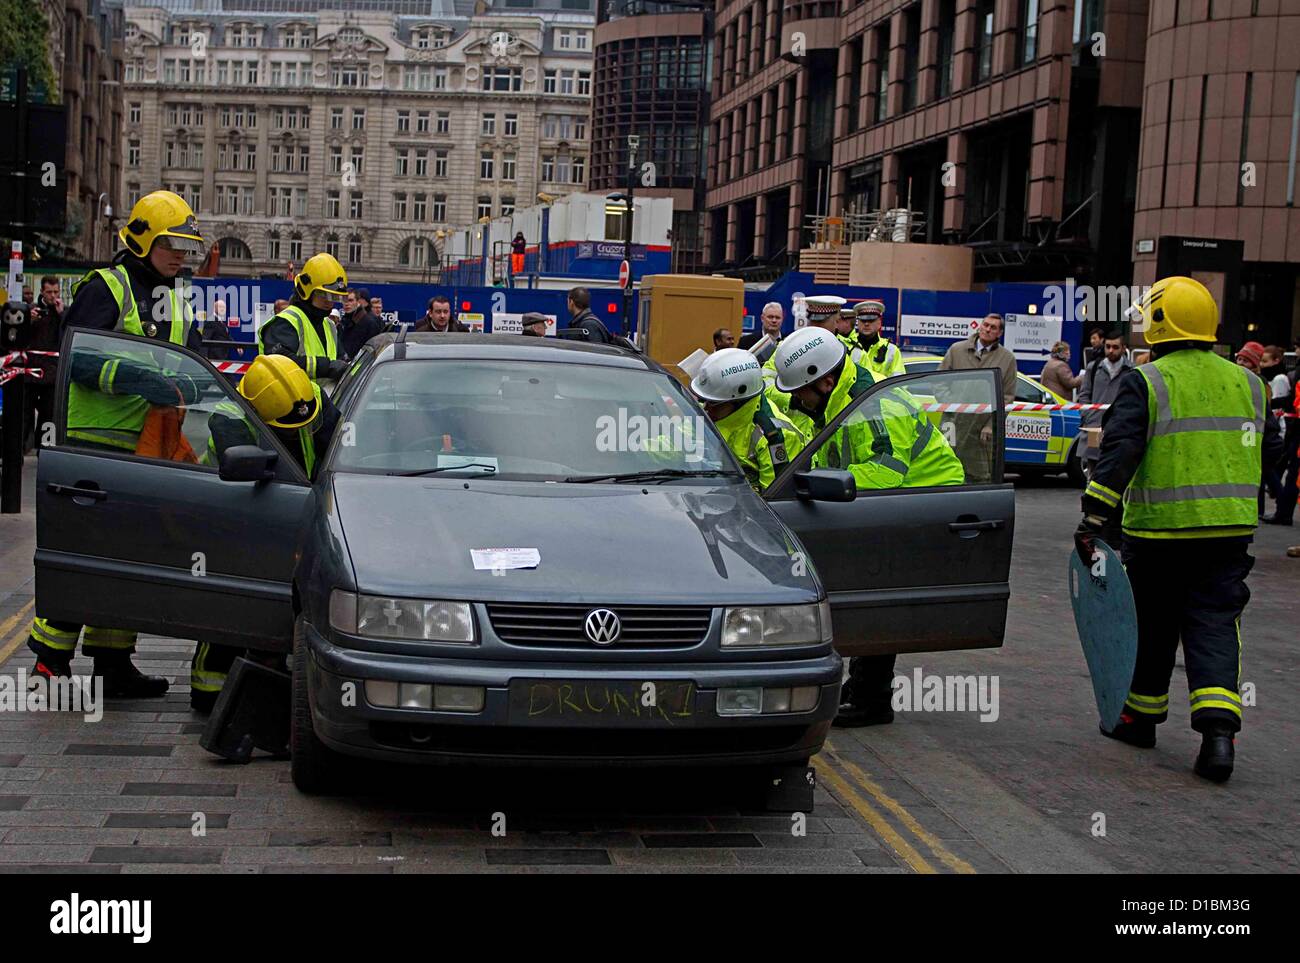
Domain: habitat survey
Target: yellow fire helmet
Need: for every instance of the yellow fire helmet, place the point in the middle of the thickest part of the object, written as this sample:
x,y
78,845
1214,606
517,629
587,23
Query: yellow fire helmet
x,y
162,214
1176,309
322,272
280,391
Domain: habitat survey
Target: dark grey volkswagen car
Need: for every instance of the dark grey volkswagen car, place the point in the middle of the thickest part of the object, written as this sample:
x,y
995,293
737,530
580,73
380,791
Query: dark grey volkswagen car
x,y
524,551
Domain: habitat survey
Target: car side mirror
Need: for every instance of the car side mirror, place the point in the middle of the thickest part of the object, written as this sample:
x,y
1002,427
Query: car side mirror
x,y
244,463
825,485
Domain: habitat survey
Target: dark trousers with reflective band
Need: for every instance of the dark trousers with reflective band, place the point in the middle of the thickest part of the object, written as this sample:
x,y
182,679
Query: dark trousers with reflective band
x,y
871,682
211,665
57,641
1193,589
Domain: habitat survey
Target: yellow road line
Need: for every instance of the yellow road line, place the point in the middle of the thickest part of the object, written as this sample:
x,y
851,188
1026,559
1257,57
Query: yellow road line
x,y
873,818
945,856
18,618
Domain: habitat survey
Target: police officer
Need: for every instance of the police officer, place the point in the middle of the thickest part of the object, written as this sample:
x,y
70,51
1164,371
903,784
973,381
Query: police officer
x,y
730,385
111,396
303,418
887,442
303,330
870,349
1179,465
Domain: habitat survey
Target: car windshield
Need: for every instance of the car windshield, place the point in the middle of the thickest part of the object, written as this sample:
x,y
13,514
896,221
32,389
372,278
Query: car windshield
x,y
529,421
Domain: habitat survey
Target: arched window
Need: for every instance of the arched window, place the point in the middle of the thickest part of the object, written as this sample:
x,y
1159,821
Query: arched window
x,y
354,249
295,247
414,252
233,249
273,246
332,245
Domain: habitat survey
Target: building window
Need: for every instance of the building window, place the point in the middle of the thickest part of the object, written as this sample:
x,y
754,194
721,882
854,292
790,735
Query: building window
x,y
507,206
548,81
507,167
354,249
418,207
403,121
444,122
488,128
336,159
295,247
357,158
579,170
484,207
548,168
399,207
882,61
358,118
332,204
440,163
421,163
439,208
947,30
132,153
579,128
911,54
336,118
273,246
348,75
1027,49
356,204
413,252
401,163
512,125
332,245
503,80
133,114
486,160
584,83
983,40
422,122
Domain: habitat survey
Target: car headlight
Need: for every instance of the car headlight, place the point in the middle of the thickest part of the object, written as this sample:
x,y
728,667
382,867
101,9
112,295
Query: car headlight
x,y
420,620
755,625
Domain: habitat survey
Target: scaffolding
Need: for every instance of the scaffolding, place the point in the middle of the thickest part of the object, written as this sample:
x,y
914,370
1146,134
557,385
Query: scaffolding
x,y
897,225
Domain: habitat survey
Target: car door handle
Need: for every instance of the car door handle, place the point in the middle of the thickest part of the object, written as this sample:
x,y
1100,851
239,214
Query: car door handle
x,y
71,491
975,527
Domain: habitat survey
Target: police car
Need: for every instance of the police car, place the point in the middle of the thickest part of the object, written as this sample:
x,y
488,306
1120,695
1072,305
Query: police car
x,y
1037,442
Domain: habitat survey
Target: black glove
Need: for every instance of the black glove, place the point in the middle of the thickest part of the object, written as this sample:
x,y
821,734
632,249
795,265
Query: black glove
x,y
1086,536
335,370
132,378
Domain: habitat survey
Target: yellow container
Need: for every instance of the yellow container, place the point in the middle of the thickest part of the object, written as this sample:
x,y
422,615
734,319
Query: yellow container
x,y
678,313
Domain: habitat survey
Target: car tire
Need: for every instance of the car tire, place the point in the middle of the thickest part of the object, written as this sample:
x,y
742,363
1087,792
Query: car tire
x,y
1074,467
313,765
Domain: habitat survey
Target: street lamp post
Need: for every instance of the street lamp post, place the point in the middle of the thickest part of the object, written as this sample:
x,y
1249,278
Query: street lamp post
x,y
633,142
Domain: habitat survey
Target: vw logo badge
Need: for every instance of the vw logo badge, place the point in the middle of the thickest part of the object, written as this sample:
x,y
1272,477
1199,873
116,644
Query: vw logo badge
x,y
602,626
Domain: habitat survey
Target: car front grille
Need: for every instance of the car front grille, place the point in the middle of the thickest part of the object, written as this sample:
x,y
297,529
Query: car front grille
x,y
561,626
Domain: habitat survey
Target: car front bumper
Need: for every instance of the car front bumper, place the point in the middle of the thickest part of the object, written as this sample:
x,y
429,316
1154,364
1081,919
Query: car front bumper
x,y
345,721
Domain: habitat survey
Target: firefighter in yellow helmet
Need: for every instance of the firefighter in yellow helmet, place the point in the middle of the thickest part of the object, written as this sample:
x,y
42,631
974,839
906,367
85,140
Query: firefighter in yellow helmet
x,y
110,396
1178,472
304,331
303,419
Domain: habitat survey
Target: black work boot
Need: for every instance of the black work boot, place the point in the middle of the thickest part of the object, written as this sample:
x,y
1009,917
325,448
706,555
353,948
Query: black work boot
x,y
122,680
202,702
1214,761
1133,730
855,717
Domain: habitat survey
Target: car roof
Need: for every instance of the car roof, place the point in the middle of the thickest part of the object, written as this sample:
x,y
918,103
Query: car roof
x,y
419,346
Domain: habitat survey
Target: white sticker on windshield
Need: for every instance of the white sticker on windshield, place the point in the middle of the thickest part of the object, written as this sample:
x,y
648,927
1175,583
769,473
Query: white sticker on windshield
x,y
489,559
482,463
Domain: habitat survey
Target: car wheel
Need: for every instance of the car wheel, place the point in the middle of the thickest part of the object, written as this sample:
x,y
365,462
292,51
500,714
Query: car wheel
x,y
1074,467
313,763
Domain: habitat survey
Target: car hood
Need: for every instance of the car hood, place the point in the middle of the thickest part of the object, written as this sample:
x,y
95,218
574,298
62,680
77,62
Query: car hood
x,y
666,544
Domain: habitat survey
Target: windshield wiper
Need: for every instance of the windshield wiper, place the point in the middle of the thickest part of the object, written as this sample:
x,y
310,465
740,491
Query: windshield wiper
x,y
491,469
654,474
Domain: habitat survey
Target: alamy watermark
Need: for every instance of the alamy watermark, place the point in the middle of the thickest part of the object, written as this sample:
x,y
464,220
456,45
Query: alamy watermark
x,y
661,434
947,693
36,693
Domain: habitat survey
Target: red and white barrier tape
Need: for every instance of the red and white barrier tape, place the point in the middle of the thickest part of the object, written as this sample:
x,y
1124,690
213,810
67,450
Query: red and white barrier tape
x,y
231,367
9,374
969,409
